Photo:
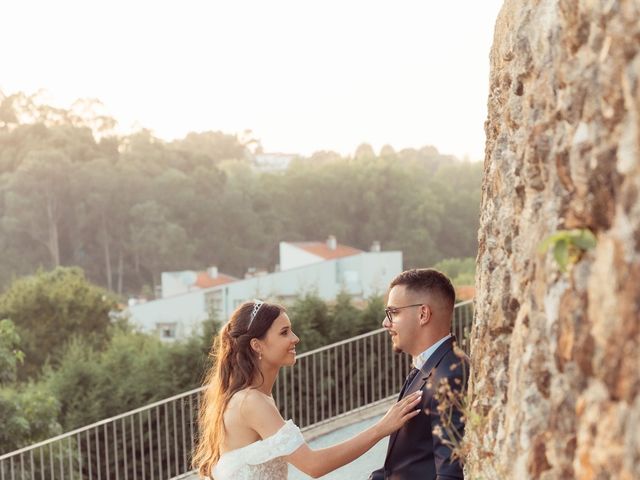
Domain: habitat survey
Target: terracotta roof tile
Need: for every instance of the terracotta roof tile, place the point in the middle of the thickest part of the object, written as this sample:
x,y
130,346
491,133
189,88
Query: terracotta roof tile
x,y
205,281
465,292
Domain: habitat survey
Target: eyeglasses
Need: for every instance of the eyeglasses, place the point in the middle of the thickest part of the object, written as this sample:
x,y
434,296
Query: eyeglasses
x,y
391,311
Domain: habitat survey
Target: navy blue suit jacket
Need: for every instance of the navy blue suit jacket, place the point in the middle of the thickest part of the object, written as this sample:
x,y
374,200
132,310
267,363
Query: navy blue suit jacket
x,y
414,451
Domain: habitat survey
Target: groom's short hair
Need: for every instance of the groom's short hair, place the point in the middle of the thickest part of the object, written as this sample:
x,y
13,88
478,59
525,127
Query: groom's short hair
x,y
428,281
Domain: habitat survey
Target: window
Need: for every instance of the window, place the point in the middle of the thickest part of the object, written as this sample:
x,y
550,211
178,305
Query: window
x,y
167,331
214,304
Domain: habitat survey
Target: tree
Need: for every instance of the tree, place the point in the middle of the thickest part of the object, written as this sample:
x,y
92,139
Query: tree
x,y
10,354
457,185
126,208
28,413
387,151
157,242
311,321
363,151
344,318
372,315
48,308
101,214
318,323
210,148
37,197
132,370
461,271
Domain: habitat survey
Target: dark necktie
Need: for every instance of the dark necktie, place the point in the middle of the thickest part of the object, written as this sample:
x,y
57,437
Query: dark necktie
x,y
408,380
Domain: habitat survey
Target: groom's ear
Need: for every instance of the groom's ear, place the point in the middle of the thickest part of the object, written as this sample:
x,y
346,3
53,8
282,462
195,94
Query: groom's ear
x,y
425,314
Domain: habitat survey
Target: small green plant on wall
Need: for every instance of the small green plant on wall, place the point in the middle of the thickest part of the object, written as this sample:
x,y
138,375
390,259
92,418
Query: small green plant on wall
x,y
568,245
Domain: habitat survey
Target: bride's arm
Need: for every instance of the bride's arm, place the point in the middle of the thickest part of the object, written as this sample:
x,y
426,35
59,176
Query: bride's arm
x,y
266,420
320,462
317,463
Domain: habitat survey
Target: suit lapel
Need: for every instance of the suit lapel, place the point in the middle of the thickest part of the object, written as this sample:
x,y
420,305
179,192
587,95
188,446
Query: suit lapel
x,y
427,368
421,379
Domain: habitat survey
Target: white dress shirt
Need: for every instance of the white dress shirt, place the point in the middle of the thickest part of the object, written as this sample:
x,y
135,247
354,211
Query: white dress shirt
x,y
421,359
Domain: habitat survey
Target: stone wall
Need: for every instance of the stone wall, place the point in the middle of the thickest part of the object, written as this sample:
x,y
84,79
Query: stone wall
x,y
555,386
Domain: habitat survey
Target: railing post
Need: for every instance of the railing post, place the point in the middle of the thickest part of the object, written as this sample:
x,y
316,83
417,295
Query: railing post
x,y
321,388
159,444
315,387
184,442
306,389
151,462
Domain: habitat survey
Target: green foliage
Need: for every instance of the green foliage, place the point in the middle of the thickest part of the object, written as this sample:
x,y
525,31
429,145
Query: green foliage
x,y
10,354
310,321
124,209
466,278
344,318
75,382
28,414
461,271
127,208
210,328
318,323
372,315
156,240
133,370
48,308
90,382
568,246
364,151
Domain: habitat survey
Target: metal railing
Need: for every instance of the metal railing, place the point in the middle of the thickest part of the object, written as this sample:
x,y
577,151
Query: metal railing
x,y
156,441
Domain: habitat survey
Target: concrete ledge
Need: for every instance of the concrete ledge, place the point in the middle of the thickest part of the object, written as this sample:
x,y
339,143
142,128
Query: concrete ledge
x,y
349,418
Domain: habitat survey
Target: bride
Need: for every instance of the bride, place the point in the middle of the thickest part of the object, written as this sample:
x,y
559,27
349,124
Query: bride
x,y
242,434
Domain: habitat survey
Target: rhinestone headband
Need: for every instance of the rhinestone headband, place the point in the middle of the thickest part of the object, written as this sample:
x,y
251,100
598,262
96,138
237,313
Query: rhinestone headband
x,y
256,306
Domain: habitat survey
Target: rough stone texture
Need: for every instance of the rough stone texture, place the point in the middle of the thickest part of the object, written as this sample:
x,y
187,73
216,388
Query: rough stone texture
x,y
555,387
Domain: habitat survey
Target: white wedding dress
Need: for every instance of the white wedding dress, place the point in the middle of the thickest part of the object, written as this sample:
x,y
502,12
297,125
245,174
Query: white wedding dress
x,y
261,460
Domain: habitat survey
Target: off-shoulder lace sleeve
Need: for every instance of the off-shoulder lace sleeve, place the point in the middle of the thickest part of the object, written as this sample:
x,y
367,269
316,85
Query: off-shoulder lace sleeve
x,y
284,442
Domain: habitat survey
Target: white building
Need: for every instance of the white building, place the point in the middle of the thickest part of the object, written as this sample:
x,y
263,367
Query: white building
x,y
176,283
273,162
325,269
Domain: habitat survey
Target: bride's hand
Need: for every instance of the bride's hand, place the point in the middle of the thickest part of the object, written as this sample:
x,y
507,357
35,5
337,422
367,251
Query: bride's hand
x,y
399,414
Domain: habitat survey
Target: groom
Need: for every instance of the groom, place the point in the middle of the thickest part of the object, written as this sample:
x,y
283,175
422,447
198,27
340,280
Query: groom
x,y
418,318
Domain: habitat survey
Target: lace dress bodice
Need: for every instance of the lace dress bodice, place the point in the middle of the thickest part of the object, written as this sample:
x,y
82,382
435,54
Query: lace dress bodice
x,y
261,460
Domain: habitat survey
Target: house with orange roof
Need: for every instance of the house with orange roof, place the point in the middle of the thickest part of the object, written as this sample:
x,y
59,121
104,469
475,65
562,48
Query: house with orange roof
x,y
177,283
322,268
300,254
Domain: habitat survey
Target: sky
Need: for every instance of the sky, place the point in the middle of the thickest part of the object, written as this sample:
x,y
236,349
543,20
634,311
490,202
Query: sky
x,y
301,75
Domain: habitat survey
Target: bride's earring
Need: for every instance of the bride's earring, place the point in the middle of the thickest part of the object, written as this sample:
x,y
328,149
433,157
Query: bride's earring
x,y
259,355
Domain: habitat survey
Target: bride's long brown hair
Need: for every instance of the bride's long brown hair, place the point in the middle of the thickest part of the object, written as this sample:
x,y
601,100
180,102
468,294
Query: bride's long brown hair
x,y
234,367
